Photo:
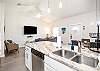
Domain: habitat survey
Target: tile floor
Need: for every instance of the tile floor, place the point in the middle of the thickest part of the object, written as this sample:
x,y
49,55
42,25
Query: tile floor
x,y
13,62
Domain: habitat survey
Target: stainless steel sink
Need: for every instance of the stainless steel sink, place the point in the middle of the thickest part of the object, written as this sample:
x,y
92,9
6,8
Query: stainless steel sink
x,y
77,58
85,60
65,53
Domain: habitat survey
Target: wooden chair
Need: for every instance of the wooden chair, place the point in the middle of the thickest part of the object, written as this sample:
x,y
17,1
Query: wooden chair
x,y
11,46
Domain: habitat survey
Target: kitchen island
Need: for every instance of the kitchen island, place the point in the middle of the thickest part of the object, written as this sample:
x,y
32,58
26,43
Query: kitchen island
x,y
57,62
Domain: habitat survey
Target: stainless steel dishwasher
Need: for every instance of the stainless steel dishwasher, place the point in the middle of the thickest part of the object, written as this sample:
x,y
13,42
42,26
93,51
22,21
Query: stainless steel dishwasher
x,y
37,60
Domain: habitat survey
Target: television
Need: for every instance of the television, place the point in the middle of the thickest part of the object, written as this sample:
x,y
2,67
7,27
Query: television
x,y
29,30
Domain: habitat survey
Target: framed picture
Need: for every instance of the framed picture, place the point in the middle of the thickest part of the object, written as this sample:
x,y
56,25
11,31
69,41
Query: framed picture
x,y
93,35
63,30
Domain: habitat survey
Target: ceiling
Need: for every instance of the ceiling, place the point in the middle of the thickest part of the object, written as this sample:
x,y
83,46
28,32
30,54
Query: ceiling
x,y
70,7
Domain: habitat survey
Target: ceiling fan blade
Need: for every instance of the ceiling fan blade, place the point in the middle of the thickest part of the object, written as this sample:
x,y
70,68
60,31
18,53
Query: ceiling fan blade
x,y
25,4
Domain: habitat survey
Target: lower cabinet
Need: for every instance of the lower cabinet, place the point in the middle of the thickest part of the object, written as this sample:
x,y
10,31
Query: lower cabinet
x,y
47,67
49,63
53,65
28,58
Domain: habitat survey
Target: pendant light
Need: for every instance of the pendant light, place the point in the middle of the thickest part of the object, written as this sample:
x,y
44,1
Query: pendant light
x,y
60,4
48,8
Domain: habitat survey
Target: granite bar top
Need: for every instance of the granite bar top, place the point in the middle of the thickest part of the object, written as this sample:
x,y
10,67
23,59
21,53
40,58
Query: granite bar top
x,y
48,48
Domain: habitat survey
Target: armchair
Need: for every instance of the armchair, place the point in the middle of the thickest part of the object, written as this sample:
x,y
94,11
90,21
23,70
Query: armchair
x,y
11,46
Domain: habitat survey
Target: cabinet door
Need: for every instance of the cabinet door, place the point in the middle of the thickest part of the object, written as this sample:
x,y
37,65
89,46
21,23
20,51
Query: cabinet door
x,y
48,64
28,58
47,67
57,66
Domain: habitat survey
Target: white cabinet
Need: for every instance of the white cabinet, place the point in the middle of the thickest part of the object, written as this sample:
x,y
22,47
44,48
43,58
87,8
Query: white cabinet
x,y
28,58
48,67
53,65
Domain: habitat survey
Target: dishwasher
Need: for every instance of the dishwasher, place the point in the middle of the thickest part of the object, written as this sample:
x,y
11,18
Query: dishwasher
x,y
37,60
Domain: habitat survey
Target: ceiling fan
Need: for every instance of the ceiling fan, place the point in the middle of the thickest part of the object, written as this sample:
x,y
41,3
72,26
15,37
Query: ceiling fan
x,y
25,4
34,6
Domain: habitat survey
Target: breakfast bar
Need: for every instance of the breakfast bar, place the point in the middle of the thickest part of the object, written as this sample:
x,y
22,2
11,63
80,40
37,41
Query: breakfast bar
x,y
62,59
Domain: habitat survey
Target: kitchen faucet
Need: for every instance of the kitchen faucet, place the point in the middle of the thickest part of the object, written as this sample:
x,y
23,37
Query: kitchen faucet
x,y
79,46
76,43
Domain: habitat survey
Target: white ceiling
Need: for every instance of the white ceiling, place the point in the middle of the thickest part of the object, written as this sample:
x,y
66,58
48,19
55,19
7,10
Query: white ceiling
x,y
70,7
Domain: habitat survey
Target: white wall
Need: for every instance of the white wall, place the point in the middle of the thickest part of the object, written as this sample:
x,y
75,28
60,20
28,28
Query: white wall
x,y
15,20
98,10
1,28
86,19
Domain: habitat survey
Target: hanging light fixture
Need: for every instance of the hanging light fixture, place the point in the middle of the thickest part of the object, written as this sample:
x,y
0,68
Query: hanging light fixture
x,y
49,10
60,4
48,7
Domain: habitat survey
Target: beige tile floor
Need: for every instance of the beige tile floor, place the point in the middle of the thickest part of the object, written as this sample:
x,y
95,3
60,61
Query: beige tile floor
x,y
13,62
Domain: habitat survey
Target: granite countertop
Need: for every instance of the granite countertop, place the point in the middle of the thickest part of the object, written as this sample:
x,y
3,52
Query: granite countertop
x,y
47,48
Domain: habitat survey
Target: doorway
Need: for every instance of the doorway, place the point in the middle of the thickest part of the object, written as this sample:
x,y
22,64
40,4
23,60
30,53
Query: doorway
x,y
75,32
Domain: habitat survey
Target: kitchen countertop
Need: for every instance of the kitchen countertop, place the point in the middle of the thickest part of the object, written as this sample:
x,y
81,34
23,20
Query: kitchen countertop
x,y
47,48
